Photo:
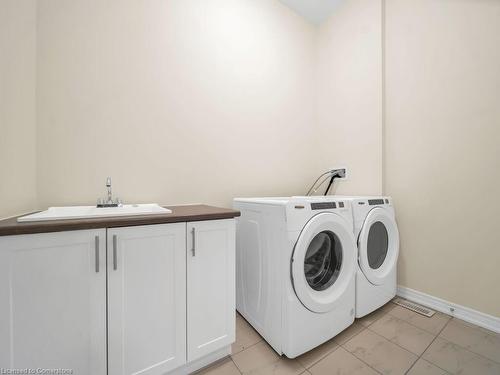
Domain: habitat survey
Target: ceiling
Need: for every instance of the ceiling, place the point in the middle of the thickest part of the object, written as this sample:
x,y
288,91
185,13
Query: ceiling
x,y
315,11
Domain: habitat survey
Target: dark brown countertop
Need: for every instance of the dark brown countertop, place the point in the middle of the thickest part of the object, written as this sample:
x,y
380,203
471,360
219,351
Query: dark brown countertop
x,y
186,213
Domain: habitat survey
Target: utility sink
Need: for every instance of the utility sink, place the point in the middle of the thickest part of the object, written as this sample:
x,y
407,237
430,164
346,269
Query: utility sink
x,y
87,212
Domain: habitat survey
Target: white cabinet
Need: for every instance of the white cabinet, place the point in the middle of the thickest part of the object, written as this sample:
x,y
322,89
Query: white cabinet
x,y
53,301
146,299
210,286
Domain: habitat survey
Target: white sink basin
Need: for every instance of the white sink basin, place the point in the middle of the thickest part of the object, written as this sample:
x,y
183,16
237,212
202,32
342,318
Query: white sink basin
x,y
84,212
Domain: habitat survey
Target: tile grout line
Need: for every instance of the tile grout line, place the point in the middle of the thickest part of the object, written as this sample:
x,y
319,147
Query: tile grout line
x,y
399,346
428,346
414,325
235,365
356,334
322,358
359,359
376,320
392,342
306,369
419,356
248,347
421,329
460,346
214,364
354,355
339,345
470,351
367,327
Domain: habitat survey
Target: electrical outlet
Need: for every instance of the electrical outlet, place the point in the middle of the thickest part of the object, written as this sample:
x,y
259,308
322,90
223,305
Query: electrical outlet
x,y
345,172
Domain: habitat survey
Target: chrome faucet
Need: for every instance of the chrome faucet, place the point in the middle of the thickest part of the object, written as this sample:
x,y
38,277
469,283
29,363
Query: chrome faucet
x,y
110,195
108,202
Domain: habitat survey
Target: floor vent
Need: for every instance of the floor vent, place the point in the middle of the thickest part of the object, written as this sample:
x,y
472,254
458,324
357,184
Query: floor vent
x,y
414,307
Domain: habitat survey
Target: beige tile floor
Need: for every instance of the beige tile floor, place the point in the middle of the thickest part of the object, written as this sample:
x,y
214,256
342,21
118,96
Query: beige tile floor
x,y
391,340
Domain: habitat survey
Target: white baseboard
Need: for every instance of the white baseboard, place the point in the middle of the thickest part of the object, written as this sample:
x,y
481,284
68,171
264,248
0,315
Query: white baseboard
x,y
461,312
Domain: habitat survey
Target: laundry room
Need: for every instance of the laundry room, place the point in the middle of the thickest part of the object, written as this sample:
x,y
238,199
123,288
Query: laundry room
x,y
249,187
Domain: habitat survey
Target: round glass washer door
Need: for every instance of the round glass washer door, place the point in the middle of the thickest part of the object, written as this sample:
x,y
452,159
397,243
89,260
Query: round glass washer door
x,y
323,261
378,245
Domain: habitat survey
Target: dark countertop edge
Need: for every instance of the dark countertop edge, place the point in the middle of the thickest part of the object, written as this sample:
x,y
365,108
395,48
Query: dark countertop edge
x,y
182,213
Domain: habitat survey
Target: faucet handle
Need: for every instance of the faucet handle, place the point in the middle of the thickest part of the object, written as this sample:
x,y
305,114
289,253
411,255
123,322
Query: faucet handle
x,y
108,182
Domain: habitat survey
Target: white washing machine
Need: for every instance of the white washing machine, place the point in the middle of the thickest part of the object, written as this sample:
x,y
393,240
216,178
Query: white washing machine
x,y
295,269
377,236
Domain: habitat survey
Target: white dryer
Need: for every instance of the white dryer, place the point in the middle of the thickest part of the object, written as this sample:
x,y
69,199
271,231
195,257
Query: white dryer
x,y
377,236
295,269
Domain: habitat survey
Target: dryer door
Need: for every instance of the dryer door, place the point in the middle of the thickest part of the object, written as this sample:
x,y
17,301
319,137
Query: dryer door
x,y
378,245
323,261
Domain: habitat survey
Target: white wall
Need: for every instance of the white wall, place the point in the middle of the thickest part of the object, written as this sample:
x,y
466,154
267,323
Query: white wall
x,y
187,100
179,101
160,94
17,106
349,98
437,152
442,146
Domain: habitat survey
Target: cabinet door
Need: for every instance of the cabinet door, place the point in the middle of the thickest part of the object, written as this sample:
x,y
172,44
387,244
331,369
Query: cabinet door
x,y
210,286
146,299
53,301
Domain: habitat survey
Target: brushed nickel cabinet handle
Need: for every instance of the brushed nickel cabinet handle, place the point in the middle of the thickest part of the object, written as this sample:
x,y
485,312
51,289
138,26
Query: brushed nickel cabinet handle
x,y
115,260
96,254
193,249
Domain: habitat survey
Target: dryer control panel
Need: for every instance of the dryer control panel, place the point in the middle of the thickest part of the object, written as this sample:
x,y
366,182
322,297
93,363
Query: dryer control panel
x,y
374,202
326,205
